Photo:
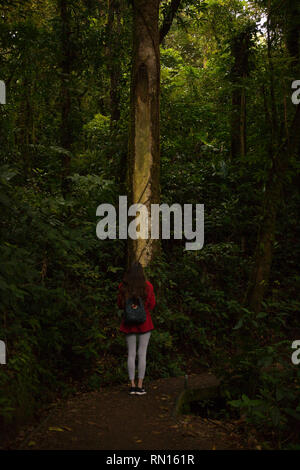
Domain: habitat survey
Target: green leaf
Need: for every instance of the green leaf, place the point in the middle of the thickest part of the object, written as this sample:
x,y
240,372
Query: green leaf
x,y
239,324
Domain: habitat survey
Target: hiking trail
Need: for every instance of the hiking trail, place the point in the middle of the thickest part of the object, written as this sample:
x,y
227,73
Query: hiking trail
x,y
111,419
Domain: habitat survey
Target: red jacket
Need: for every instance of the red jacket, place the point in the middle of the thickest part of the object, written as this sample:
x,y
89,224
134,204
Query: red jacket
x,y
148,305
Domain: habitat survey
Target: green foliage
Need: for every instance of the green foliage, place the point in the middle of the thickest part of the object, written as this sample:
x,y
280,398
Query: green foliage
x,y
58,282
272,404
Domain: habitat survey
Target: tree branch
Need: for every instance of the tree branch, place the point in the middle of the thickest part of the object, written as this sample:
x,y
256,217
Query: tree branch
x,y
168,19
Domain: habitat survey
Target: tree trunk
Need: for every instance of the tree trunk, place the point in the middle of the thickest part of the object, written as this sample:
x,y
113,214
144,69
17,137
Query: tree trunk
x,y
66,67
235,123
293,47
144,152
168,19
25,124
114,66
266,236
240,49
238,123
293,31
273,197
243,129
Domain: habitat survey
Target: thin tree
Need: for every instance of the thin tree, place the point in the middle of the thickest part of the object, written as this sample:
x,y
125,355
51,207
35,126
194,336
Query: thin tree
x,y
281,156
113,30
66,99
240,51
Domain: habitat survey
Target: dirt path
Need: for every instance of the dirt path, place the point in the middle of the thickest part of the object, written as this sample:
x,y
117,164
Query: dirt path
x,y
111,419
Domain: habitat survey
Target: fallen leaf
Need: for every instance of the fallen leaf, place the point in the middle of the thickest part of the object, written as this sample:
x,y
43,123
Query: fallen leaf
x,y
189,434
55,428
67,428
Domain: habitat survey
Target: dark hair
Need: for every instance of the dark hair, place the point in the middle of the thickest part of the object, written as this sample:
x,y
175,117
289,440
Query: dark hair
x,y
134,283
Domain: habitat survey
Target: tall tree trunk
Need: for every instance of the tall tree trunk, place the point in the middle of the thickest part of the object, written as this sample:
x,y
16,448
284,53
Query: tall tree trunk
x,y
293,47
235,123
66,68
276,138
293,31
25,124
243,122
114,65
116,10
259,278
144,152
238,123
240,49
281,156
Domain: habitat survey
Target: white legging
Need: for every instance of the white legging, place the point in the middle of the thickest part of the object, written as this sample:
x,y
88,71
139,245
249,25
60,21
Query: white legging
x,y
142,352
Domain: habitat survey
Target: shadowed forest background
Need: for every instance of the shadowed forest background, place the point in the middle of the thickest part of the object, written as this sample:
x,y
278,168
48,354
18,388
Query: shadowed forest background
x,y
229,139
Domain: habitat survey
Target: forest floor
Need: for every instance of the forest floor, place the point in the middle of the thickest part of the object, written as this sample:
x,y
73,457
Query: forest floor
x,y
111,419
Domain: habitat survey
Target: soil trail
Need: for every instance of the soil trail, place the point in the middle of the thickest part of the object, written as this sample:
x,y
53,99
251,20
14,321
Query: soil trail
x,y
111,419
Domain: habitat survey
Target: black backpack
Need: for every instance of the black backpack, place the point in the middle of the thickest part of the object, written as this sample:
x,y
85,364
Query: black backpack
x,y
134,312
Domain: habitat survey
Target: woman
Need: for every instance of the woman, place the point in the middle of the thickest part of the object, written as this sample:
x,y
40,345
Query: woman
x,y
135,285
